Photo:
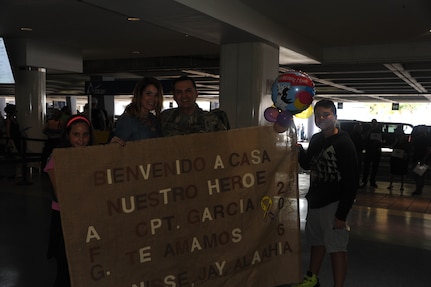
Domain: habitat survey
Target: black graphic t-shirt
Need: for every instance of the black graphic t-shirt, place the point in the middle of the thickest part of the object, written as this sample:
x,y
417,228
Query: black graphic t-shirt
x,y
333,171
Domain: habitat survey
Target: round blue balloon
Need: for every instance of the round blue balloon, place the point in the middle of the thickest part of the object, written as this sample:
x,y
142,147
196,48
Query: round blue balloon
x,y
287,88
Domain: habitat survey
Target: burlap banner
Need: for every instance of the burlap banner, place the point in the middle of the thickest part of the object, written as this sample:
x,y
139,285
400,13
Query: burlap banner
x,y
216,209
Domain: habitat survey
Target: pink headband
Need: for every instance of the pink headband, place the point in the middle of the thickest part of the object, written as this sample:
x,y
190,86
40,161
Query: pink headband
x,y
77,119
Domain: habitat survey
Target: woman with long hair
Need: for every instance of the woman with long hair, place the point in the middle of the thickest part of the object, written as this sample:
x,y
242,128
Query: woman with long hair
x,y
140,119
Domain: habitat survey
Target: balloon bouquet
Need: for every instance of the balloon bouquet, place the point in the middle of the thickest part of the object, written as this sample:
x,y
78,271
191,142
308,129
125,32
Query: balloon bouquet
x,y
292,94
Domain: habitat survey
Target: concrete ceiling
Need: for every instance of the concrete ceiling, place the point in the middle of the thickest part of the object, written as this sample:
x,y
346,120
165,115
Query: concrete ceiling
x,y
354,50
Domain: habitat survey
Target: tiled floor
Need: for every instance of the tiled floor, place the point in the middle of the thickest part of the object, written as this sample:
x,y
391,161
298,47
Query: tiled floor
x,y
390,241
390,238
381,198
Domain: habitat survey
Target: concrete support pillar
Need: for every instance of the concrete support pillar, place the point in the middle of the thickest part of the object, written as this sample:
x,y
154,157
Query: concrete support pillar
x,y
30,99
109,107
71,102
2,106
247,71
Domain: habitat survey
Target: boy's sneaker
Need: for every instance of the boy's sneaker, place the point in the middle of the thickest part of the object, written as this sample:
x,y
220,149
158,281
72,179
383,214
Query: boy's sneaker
x,y
310,280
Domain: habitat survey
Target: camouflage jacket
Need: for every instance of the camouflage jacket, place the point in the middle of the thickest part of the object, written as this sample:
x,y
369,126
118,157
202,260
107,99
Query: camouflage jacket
x,y
175,123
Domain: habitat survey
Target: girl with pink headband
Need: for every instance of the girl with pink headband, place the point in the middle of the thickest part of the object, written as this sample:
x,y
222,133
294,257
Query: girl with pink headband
x,y
78,133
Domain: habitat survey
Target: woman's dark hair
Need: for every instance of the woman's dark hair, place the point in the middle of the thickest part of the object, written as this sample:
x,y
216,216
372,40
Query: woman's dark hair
x,y
134,108
73,120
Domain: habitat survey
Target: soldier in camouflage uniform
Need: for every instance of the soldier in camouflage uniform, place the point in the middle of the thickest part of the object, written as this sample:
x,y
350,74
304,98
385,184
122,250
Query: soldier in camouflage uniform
x,y
189,118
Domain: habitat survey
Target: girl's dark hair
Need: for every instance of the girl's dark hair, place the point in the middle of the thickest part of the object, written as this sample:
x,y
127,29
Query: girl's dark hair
x,y
73,120
326,104
134,108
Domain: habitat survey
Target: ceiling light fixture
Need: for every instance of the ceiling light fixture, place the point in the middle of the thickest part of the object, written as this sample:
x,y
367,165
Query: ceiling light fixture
x,y
133,19
26,29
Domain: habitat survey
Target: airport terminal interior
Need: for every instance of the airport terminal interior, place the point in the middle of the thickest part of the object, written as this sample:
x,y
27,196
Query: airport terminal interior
x,y
372,58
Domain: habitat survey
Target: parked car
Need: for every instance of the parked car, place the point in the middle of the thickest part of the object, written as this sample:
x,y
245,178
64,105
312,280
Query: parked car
x,y
415,129
388,129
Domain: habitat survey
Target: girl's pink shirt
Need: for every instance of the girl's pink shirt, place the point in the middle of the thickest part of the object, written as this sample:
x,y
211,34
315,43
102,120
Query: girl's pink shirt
x,y
50,164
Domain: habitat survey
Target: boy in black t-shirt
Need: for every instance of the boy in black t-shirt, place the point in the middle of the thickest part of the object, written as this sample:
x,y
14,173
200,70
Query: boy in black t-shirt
x,y
331,158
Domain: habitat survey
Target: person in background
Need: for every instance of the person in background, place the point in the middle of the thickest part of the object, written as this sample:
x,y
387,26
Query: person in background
x,y
6,170
140,119
53,130
301,132
2,134
13,130
97,116
421,148
400,159
53,126
78,133
358,141
331,159
189,118
65,114
373,152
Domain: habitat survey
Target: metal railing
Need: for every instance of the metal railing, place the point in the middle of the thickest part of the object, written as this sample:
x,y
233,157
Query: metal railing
x,y
21,157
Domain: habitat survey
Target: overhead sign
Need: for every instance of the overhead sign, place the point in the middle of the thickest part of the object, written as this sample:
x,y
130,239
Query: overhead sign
x,y
6,75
